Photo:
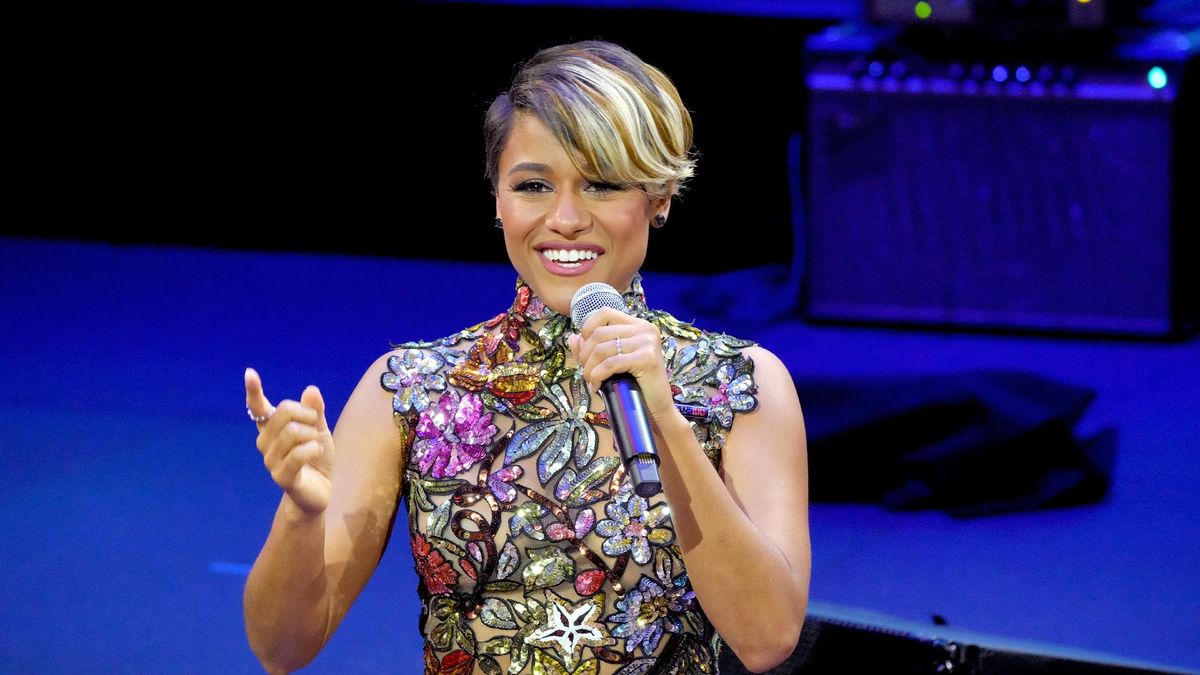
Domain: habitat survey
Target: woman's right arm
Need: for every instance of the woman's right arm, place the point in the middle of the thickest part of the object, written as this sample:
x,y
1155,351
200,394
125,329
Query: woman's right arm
x,y
333,519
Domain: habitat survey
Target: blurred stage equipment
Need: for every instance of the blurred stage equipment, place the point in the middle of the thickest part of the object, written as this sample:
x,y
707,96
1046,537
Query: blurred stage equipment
x,y
1090,14
1008,178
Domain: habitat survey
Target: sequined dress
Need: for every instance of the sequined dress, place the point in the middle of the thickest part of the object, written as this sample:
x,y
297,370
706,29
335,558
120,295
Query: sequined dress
x,y
533,553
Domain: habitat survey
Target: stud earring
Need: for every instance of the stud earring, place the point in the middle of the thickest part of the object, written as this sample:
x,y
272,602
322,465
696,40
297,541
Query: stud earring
x,y
659,221
499,224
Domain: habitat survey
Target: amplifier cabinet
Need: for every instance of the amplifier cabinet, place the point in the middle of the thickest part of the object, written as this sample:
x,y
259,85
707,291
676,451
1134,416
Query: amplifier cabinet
x,y
1003,194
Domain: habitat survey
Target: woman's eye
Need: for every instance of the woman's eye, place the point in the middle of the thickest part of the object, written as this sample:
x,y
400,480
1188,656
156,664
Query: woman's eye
x,y
606,187
531,186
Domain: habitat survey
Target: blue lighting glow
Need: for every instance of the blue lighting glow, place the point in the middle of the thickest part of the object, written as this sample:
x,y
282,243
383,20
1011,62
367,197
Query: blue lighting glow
x,y
236,569
999,73
1157,77
1023,74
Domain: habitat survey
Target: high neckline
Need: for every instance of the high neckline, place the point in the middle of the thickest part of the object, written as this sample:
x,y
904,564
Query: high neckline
x,y
530,307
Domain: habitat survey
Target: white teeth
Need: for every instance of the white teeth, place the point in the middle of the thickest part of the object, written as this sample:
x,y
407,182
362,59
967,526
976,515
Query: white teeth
x,y
569,255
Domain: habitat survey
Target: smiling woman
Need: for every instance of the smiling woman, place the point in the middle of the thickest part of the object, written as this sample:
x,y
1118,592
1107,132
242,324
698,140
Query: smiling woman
x,y
592,142
562,229
534,553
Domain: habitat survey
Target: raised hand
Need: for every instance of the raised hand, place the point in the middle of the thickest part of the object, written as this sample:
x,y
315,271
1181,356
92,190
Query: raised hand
x,y
295,442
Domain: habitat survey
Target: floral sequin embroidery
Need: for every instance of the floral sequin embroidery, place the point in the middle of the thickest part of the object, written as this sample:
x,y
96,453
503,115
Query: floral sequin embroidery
x,y
632,526
412,377
732,388
654,607
506,491
437,574
453,435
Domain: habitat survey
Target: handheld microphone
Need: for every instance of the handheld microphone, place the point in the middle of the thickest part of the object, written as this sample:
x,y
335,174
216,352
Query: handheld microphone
x,y
627,416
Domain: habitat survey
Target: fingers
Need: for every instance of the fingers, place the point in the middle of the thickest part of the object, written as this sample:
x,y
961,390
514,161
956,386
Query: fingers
x,y
635,356
275,446
290,424
294,435
626,347
256,400
310,410
286,473
312,399
639,354
605,316
606,340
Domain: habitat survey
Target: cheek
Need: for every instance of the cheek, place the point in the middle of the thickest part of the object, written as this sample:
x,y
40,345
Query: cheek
x,y
639,249
514,247
635,230
516,220
633,244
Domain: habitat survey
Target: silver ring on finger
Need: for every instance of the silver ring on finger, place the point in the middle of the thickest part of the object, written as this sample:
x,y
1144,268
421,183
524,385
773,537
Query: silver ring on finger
x,y
618,345
260,419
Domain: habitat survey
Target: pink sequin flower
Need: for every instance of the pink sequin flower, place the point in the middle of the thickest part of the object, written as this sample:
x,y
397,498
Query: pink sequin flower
x,y
452,435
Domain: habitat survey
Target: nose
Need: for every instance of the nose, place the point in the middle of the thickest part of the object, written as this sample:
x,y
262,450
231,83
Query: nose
x,y
568,217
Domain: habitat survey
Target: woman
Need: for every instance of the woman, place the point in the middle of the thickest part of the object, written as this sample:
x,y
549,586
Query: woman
x,y
533,553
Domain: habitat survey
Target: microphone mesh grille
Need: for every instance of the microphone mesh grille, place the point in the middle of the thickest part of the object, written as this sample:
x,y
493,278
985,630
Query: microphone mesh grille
x,y
591,297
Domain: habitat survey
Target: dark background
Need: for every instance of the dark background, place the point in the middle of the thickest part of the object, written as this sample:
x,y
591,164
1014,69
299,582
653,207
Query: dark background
x,y
361,134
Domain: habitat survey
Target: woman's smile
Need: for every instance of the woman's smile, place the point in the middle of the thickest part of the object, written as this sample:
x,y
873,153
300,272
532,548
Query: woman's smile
x,y
569,259
561,228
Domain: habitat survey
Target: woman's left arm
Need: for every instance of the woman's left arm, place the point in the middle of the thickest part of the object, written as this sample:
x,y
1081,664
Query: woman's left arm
x,y
745,538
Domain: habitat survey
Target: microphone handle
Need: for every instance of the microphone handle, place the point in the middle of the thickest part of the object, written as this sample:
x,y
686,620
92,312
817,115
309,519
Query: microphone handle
x,y
630,426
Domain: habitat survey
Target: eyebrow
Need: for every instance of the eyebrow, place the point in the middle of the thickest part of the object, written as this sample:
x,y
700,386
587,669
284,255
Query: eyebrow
x,y
536,167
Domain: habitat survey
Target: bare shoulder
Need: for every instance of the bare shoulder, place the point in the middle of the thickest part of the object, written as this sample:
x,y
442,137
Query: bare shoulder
x,y
369,440
773,380
771,439
766,364
370,404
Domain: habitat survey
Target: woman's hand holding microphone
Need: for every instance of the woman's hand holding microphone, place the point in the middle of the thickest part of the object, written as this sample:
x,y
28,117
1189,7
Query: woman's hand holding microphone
x,y
296,444
612,342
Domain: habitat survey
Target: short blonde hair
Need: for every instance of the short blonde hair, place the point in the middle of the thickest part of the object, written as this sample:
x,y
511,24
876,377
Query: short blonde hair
x,y
620,119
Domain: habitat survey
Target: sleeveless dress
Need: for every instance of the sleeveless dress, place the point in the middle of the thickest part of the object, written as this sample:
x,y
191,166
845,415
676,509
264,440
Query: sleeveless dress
x,y
533,553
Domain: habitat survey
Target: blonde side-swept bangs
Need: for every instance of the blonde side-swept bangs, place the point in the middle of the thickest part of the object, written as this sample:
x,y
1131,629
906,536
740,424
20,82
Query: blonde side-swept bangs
x,y
620,119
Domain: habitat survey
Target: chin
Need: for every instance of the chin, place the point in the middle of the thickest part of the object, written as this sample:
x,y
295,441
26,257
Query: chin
x,y
559,296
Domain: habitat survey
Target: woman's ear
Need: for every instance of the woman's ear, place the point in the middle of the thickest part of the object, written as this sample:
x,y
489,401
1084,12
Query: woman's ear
x,y
662,205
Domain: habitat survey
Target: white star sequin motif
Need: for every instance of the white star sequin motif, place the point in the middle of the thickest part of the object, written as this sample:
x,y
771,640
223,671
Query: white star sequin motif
x,y
569,627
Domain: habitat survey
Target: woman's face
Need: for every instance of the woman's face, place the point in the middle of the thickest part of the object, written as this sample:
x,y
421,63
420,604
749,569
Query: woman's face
x,y
561,230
